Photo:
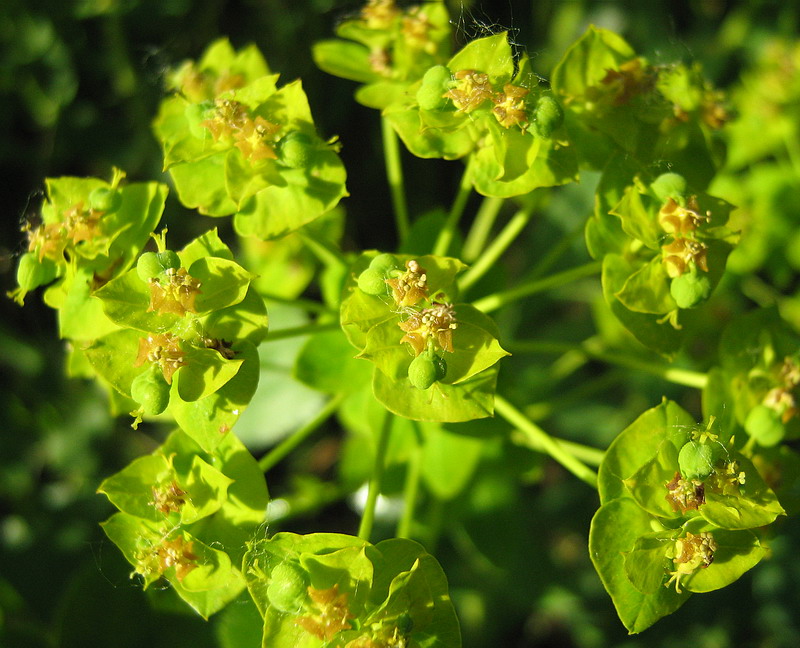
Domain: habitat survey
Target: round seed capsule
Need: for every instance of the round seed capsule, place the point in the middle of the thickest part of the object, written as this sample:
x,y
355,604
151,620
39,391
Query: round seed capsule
x,y
434,84
296,150
690,289
151,391
547,116
372,282
669,185
105,199
32,273
696,460
764,425
288,587
423,371
384,263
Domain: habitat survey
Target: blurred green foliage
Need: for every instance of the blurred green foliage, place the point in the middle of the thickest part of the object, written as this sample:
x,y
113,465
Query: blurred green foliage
x,y
79,85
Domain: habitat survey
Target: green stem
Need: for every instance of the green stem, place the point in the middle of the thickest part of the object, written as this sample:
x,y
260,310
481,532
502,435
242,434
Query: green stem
x,y
374,489
411,489
553,447
481,228
394,176
555,253
323,249
279,452
493,302
297,331
447,233
496,249
684,377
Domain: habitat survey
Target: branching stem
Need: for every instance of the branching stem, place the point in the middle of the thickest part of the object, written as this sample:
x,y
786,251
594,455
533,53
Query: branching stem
x,y
481,228
445,237
279,452
496,300
394,175
496,249
374,488
539,438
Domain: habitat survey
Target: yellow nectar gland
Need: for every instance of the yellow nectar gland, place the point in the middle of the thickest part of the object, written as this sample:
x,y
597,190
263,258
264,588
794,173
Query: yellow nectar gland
x,y
379,14
330,613
176,553
437,323
726,479
472,89
411,286
509,106
163,349
169,498
679,255
691,553
416,28
229,117
685,494
675,219
174,291
631,79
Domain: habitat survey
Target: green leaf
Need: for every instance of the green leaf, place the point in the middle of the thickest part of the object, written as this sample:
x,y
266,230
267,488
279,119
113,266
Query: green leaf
x,y
244,321
648,484
754,506
638,443
307,194
344,59
449,137
327,363
223,283
614,531
473,398
113,356
126,300
491,55
646,564
651,330
209,419
205,372
646,290
205,245
449,460
736,553
588,60
200,185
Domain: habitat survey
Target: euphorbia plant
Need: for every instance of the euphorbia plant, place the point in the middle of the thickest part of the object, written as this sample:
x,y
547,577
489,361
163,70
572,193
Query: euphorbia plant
x,y
172,329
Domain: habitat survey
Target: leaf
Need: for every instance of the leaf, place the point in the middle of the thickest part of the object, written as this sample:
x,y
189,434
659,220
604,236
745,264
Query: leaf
x,y
449,460
647,289
113,357
205,245
450,138
327,363
648,484
491,55
223,283
209,419
754,506
126,300
204,373
307,194
344,59
638,443
200,185
651,330
588,60
245,321
443,403
614,531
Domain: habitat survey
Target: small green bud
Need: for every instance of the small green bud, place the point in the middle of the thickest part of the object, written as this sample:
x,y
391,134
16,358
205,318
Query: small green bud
x,y
384,263
151,391
423,371
32,273
296,150
435,83
547,116
690,289
764,425
696,460
372,282
288,587
105,199
669,185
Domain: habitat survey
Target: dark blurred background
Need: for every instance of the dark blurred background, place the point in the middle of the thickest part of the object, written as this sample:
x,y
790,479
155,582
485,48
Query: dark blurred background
x,y
80,81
